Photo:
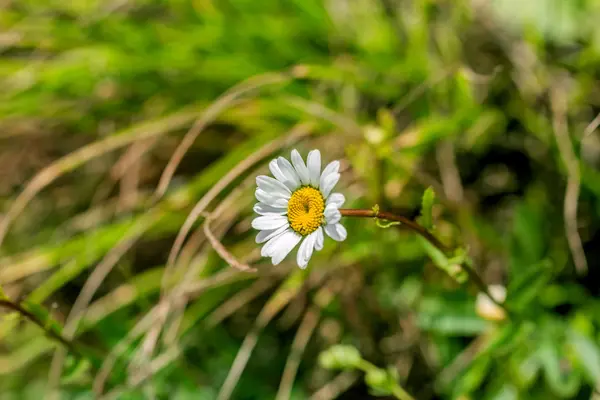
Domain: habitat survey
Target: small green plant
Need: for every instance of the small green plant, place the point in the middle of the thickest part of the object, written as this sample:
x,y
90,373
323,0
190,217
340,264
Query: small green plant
x,y
382,382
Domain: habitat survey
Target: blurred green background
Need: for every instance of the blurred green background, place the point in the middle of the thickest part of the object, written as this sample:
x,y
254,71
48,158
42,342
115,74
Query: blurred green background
x,y
119,117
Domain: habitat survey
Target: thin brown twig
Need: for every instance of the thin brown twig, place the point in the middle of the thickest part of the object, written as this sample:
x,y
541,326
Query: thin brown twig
x,y
405,222
222,251
415,227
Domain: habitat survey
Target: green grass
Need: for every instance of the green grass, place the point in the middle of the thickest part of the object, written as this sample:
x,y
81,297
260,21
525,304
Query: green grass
x,y
491,107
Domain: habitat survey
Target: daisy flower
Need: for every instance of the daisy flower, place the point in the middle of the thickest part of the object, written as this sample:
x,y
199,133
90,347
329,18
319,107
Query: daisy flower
x,y
297,205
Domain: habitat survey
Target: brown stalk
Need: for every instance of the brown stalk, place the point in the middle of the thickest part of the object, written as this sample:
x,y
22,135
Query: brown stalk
x,y
31,317
407,223
418,229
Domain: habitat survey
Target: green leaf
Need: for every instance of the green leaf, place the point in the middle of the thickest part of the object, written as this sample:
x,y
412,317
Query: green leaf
x,y
529,234
526,369
473,377
450,314
452,266
564,383
378,381
506,392
588,354
426,208
528,285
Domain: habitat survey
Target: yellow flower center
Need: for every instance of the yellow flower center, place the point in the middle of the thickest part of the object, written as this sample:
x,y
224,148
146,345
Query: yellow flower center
x,y
305,210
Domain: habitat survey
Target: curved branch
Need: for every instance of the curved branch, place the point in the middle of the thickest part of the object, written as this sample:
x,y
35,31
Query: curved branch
x,y
407,223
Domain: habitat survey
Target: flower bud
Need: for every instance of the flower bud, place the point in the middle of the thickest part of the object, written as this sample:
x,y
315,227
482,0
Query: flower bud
x,y
340,357
489,310
378,379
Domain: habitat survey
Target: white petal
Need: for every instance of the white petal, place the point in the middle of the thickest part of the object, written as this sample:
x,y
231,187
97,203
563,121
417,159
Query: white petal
x,y
331,168
320,239
300,167
313,162
336,198
306,249
332,214
281,177
274,242
289,172
272,185
329,183
269,222
270,199
265,209
267,234
288,240
337,232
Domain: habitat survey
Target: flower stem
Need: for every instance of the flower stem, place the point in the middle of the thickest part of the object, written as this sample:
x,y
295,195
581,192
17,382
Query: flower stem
x,y
4,303
392,385
418,229
397,218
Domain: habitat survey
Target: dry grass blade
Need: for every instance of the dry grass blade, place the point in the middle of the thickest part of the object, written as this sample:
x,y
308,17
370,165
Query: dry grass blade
x,y
591,127
559,122
128,173
146,371
337,386
318,110
143,325
176,298
153,367
305,331
461,361
73,160
221,278
449,173
421,90
279,300
309,323
87,293
238,300
222,251
295,134
208,116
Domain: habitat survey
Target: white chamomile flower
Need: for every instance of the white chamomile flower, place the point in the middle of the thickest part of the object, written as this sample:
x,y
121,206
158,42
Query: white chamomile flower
x,y
297,206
